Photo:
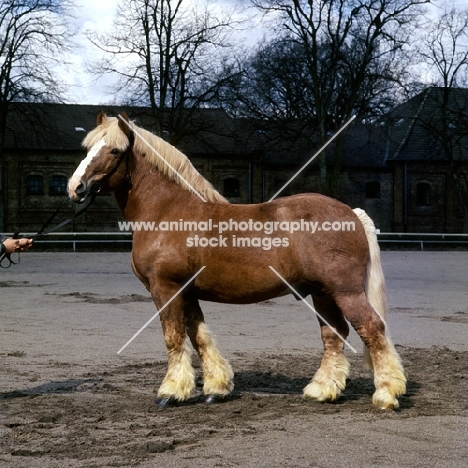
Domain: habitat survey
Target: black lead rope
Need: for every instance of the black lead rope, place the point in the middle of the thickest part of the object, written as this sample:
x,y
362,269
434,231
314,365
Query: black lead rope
x,y
43,232
5,259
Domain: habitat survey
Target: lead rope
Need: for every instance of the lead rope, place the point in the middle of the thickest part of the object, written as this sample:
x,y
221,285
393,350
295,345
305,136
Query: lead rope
x,y
5,259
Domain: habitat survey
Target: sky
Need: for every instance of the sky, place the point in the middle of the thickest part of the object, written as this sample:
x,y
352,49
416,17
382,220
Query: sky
x,y
83,87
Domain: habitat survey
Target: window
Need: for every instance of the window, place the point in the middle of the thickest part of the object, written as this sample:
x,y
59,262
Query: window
x,y
372,189
231,187
279,184
34,184
58,185
423,194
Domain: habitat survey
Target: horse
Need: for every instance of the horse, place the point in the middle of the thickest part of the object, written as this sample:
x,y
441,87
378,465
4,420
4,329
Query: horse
x,y
152,181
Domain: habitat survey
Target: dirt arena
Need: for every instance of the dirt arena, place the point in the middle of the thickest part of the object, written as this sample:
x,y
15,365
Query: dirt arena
x,y
67,399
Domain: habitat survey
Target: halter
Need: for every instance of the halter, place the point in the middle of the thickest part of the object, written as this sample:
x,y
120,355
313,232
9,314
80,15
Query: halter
x,y
94,189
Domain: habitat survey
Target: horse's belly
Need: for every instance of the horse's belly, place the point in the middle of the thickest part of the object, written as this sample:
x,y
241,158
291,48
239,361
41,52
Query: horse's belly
x,y
239,297
247,289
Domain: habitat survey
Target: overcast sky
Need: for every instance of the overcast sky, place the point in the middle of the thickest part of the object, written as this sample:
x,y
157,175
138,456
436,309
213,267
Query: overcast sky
x,y
83,87
98,15
90,15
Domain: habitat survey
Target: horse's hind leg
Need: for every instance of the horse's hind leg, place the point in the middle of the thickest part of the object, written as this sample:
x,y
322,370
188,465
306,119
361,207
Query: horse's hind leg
x,y
330,379
389,378
217,373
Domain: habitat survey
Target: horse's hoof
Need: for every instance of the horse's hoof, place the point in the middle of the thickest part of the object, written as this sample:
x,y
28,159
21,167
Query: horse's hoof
x,y
213,398
166,402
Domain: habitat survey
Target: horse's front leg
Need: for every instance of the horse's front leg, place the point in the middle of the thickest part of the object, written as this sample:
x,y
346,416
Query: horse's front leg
x,y
217,372
180,377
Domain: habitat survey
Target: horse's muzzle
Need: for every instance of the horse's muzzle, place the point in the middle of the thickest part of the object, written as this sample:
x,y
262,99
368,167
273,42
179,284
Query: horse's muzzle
x,y
80,193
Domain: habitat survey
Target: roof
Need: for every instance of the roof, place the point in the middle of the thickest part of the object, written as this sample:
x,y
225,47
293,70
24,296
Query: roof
x,y
62,127
363,146
416,129
50,126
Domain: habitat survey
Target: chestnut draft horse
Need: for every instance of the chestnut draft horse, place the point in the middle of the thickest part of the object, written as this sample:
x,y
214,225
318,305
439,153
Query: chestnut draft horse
x,y
154,182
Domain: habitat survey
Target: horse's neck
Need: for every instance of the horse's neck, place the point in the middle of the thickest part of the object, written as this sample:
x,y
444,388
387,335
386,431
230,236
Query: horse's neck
x,y
151,195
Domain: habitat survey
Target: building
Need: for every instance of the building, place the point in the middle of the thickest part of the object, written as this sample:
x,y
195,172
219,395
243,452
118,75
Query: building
x,y
43,148
427,149
397,171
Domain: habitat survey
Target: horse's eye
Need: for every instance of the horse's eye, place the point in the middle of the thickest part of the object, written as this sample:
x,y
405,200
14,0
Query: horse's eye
x,y
115,151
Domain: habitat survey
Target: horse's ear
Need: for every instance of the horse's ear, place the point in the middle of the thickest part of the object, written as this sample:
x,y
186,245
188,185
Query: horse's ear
x,y
124,125
100,118
125,116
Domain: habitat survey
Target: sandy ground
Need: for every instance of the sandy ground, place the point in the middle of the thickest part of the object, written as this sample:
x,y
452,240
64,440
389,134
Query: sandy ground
x,y
67,399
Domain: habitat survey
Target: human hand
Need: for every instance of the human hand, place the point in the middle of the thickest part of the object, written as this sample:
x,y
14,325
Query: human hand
x,y
17,245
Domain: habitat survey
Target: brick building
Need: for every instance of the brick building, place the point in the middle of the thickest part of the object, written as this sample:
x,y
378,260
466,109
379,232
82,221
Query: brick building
x,y
381,171
43,148
427,149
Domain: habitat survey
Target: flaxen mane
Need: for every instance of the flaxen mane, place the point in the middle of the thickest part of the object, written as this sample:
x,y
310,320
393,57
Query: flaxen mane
x,y
155,149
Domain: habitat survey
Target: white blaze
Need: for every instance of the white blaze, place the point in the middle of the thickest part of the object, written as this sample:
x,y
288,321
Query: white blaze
x,y
75,179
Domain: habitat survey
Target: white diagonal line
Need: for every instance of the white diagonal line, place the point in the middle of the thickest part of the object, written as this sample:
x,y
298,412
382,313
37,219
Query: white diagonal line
x,y
312,308
312,158
161,309
132,127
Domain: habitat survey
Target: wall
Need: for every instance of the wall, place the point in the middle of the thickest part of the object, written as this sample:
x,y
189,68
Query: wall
x,y
442,213
256,184
29,211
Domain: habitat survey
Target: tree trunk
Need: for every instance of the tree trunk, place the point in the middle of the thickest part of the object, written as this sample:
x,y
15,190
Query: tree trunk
x,y
3,116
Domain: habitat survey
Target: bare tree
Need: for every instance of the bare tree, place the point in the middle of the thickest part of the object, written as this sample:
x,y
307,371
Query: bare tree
x,y
348,51
445,51
33,36
167,56
445,48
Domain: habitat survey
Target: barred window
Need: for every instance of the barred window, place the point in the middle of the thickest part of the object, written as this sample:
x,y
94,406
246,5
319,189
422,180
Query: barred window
x,y
279,184
372,189
34,184
423,194
231,187
58,185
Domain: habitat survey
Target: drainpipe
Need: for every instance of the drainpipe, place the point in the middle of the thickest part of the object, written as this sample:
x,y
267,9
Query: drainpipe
x,y
405,198
263,179
2,201
250,178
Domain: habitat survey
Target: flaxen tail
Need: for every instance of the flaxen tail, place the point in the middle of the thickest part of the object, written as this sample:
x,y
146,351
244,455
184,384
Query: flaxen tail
x,y
375,281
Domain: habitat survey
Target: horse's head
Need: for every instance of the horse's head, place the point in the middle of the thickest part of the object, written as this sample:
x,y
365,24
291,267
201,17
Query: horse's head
x,y
104,167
